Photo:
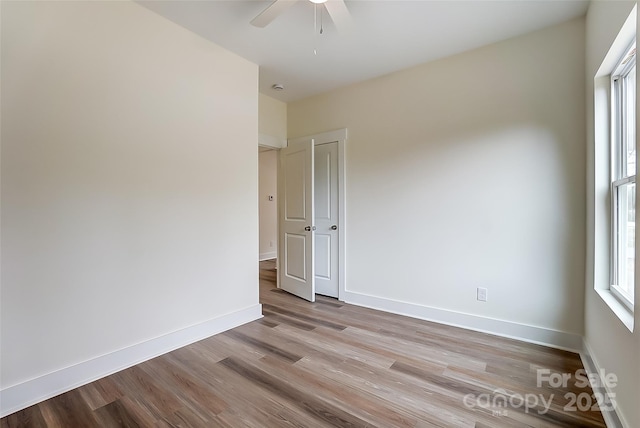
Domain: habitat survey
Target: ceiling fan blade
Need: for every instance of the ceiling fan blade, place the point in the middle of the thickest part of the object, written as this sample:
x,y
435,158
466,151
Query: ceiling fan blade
x,y
339,14
272,12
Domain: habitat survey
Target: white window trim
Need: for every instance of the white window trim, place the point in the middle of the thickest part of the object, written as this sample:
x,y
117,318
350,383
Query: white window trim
x,y
603,174
623,313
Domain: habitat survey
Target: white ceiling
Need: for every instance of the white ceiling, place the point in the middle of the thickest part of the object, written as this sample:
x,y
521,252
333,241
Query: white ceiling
x,y
385,36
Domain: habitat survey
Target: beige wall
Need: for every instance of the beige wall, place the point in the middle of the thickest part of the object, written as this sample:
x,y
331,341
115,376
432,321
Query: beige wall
x,y
468,172
613,347
268,186
129,182
272,118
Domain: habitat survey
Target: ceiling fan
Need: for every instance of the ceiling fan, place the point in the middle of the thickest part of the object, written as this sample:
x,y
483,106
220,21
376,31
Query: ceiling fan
x,y
336,9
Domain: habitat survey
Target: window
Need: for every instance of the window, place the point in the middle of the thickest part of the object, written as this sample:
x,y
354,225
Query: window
x,y
623,177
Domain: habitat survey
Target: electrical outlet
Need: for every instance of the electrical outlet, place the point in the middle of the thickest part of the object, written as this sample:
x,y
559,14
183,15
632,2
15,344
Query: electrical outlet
x,y
482,294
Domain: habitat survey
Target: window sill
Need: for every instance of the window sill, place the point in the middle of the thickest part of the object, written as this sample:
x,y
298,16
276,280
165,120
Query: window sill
x,y
619,309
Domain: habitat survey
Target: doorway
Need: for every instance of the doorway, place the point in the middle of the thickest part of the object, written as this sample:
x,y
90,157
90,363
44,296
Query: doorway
x,y
267,203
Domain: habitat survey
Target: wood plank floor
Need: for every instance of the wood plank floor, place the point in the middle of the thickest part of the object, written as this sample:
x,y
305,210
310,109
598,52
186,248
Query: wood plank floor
x,y
327,364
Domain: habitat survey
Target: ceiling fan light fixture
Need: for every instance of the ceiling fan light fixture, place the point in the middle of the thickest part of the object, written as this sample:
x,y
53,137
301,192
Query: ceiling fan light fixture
x,y
318,1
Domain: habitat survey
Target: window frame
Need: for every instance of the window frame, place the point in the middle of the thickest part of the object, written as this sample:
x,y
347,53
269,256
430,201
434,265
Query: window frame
x,y
619,174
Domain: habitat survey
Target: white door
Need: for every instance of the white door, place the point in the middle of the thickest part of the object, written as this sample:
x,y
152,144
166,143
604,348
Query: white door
x,y
297,220
326,210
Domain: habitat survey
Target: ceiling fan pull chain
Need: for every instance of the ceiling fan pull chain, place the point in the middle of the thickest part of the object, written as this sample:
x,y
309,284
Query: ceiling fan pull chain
x,y
315,28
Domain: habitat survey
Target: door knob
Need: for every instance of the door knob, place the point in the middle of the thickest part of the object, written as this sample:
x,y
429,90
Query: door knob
x,y
334,227
310,228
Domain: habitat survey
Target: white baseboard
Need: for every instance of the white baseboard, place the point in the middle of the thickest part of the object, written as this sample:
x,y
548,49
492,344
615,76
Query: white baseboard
x,y
612,418
539,335
268,256
25,394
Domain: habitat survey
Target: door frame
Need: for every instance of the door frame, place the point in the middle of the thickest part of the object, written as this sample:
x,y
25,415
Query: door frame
x,y
339,136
